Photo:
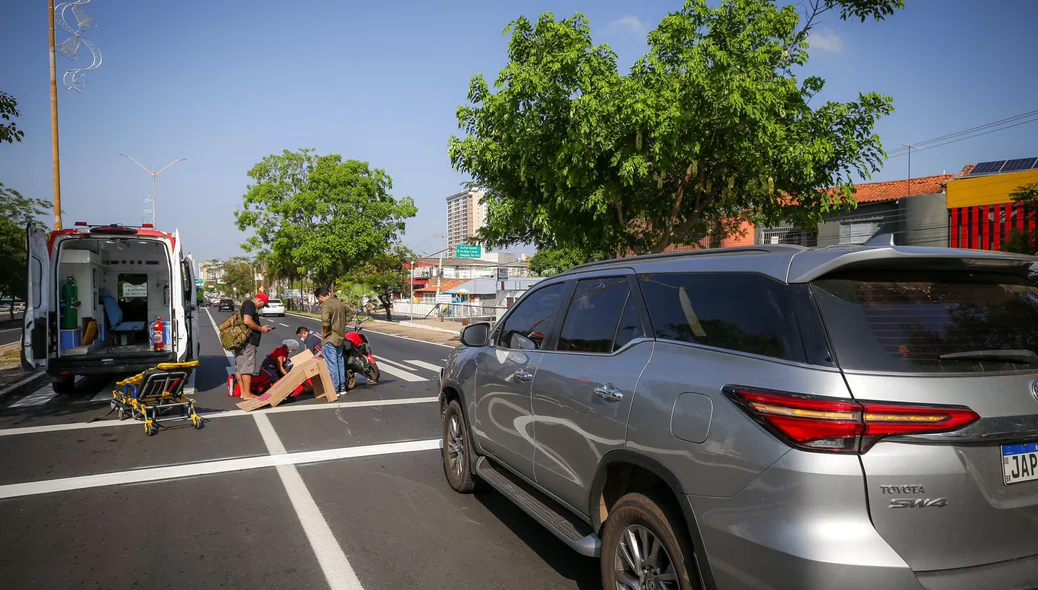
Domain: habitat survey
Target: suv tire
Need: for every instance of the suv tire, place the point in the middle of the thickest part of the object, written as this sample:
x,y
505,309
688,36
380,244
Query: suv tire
x,y
457,451
642,520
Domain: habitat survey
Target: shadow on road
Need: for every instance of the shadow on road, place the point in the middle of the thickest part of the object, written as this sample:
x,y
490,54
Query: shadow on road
x,y
568,563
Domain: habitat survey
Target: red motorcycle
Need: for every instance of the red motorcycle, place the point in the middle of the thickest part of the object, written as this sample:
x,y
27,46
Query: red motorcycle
x,y
359,358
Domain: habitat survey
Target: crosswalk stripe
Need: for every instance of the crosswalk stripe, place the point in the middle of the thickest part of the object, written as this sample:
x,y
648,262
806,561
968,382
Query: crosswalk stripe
x,y
424,365
104,396
397,364
400,373
38,398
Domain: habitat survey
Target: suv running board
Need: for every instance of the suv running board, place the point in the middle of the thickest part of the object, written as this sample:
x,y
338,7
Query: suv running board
x,y
570,530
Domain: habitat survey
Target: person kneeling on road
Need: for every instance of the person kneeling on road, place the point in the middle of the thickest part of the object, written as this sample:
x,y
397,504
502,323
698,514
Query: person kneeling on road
x,y
277,365
245,357
311,340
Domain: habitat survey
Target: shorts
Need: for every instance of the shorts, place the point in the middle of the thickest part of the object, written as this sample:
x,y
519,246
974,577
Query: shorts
x,y
245,360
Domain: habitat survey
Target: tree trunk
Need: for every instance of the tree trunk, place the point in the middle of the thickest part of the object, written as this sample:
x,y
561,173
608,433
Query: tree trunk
x,y
388,306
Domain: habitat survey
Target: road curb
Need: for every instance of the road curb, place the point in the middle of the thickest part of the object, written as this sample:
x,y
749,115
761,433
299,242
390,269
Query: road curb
x,y
25,383
421,327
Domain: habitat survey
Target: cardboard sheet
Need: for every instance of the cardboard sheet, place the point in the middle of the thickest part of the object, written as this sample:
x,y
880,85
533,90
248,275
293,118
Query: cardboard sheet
x,y
304,366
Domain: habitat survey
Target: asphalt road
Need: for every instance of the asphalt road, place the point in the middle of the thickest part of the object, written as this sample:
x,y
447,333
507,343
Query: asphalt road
x,y
10,330
307,495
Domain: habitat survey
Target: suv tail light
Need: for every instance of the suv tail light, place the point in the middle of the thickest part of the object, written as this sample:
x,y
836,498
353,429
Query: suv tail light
x,y
843,425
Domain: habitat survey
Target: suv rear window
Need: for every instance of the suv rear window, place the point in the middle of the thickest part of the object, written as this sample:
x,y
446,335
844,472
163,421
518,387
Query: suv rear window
x,y
906,321
736,311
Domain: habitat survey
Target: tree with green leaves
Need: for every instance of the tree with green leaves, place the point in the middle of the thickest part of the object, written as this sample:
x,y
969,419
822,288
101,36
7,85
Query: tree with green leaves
x,y
16,212
551,261
711,127
321,216
239,278
9,131
387,275
1023,242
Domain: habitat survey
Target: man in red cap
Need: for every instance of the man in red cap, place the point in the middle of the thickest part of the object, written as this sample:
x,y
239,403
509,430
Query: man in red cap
x,y
245,357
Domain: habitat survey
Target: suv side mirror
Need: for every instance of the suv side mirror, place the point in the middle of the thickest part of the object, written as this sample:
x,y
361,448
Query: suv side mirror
x,y
476,335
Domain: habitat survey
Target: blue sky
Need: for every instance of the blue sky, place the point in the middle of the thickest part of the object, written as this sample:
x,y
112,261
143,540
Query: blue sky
x,y
226,83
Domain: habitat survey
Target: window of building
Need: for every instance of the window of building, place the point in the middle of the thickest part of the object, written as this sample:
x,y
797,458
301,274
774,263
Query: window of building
x,y
858,232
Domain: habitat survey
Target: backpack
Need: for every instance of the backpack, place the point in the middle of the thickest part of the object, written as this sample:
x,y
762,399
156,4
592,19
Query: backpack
x,y
233,332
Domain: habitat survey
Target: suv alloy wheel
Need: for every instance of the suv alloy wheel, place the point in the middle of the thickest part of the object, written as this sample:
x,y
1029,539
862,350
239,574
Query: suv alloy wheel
x,y
457,450
641,549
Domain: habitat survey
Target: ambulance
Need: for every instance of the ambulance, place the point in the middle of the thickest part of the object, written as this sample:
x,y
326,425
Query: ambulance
x,y
107,300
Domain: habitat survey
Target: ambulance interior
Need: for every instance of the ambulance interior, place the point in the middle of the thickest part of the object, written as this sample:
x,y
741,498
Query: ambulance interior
x,y
111,290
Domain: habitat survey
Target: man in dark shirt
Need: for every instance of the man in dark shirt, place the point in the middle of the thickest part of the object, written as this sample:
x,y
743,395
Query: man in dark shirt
x,y
311,340
245,357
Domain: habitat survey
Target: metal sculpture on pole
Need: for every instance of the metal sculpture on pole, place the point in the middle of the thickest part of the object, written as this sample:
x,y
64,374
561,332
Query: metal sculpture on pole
x,y
73,78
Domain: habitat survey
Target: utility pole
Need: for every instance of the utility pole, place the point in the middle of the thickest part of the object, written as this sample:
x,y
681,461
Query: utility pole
x,y
909,146
154,175
439,275
54,118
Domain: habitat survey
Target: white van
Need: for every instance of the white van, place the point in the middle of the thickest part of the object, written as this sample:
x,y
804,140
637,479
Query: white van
x,y
96,298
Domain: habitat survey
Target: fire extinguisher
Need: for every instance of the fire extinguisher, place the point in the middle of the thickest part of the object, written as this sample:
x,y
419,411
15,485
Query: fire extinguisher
x,y
157,334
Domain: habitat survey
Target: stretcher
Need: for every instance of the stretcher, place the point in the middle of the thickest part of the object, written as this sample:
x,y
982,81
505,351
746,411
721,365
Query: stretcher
x,y
157,395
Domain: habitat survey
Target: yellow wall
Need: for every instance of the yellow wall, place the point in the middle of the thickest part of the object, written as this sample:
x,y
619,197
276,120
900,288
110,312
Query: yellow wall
x,y
987,190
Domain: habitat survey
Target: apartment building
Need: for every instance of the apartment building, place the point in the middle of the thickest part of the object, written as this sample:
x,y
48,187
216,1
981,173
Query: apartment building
x,y
466,213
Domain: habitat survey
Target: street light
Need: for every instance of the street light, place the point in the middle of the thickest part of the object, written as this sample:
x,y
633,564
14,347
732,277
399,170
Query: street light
x,y
154,200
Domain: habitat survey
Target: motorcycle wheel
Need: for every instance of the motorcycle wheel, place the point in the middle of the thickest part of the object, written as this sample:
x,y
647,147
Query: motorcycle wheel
x,y
374,374
351,381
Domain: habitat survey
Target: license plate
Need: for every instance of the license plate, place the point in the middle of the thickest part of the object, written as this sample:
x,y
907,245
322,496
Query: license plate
x,y
1020,462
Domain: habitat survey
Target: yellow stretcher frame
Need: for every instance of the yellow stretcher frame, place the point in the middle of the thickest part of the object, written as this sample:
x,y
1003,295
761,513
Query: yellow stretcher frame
x,y
153,393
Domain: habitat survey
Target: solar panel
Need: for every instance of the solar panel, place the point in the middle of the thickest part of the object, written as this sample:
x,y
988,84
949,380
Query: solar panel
x,y
1019,164
987,167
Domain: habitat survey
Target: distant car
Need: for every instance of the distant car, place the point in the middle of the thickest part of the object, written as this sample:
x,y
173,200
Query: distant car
x,y
273,307
225,304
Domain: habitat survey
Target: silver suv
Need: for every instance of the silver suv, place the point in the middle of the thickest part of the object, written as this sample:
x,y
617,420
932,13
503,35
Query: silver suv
x,y
767,417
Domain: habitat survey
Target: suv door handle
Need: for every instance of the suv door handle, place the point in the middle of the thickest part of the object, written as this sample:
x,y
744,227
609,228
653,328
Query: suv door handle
x,y
522,375
609,393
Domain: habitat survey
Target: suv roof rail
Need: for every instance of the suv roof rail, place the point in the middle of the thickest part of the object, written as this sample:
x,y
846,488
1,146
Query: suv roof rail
x,y
880,241
762,249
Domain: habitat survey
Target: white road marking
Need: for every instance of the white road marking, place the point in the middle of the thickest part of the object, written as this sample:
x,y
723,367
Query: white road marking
x,y
408,376
336,568
83,482
425,365
283,324
10,330
221,414
38,398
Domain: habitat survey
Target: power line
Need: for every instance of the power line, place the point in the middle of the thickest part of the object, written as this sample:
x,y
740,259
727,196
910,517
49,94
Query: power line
x,y
962,138
966,131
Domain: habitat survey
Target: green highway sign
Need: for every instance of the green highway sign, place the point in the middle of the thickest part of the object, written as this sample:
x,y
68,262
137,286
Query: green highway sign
x,y
199,282
468,251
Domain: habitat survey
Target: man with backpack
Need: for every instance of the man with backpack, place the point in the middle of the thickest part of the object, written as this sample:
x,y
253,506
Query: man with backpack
x,y
245,357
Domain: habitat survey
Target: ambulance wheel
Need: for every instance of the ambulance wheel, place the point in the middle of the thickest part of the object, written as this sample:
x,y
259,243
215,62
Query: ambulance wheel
x,y
64,384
